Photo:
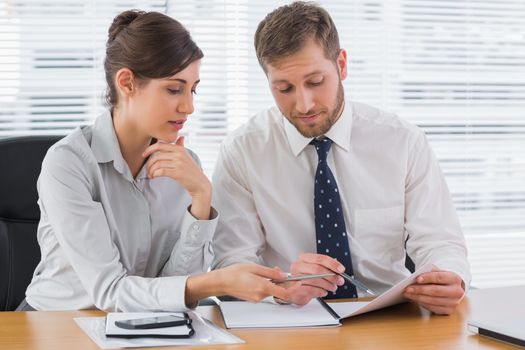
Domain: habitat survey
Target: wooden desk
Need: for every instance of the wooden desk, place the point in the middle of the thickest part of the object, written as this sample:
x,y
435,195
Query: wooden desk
x,y
403,326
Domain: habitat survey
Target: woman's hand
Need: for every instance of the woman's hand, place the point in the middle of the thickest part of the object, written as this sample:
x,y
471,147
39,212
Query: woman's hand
x,y
173,161
249,282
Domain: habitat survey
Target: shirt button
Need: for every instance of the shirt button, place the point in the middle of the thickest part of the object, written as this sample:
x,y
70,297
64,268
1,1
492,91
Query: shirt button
x,y
196,228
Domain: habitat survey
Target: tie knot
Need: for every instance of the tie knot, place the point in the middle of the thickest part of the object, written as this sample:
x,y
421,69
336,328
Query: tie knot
x,y
322,146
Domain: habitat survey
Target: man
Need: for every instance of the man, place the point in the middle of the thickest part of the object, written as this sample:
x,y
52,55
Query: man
x,y
319,184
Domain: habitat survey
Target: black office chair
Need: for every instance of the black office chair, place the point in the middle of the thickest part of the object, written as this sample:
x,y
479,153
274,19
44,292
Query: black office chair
x,y
20,164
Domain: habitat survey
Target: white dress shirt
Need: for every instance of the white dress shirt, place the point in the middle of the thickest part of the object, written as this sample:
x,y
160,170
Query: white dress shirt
x,y
110,241
391,189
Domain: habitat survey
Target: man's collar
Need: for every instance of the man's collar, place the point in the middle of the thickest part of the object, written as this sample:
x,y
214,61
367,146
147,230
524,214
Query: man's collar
x,y
339,133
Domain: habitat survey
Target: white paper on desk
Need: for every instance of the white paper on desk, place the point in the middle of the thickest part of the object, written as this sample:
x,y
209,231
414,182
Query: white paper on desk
x,y
391,297
268,314
206,333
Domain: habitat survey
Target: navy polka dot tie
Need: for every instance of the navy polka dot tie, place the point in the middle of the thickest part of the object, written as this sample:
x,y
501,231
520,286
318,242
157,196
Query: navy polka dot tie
x,y
330,225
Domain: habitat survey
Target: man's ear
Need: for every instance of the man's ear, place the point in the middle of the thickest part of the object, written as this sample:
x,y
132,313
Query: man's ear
x,y
124,82
341,64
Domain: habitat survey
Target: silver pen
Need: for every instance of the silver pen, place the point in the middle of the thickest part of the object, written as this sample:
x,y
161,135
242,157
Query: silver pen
x,y
356,283
304,277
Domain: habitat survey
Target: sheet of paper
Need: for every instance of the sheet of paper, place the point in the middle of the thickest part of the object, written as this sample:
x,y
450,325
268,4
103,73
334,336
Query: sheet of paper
x,y
391,297
206,333
268,314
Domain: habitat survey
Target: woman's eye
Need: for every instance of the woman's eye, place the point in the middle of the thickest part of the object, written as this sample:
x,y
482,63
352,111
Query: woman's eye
x,y
174,91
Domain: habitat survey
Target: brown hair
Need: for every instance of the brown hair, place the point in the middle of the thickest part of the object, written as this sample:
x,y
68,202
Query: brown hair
x,y
151,44
285,31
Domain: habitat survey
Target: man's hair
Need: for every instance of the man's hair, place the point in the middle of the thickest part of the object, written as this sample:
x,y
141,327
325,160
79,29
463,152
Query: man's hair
x,y
285,31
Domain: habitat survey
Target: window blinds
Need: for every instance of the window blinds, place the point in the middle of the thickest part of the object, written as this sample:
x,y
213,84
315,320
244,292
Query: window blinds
x,y
455,68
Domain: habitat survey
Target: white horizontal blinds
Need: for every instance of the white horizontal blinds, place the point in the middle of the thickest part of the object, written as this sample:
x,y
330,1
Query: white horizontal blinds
x,y
233,87
208,125
461,77
51,62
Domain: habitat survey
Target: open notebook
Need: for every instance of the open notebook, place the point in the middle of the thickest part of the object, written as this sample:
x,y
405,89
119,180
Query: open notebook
x,y
268,314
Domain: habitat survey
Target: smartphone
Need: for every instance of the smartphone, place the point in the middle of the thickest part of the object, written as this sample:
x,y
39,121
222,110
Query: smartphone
x,y
153,322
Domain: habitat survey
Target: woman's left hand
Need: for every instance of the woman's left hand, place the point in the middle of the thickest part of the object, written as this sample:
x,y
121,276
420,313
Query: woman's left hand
x,y
173,161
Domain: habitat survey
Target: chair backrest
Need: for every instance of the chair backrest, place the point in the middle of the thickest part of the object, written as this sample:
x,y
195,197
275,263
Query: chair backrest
x,y
20,164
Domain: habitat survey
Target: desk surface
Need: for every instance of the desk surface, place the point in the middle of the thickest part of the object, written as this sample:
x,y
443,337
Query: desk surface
x,y
403,326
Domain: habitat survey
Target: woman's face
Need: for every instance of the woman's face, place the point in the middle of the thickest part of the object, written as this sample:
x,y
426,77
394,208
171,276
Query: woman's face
x,y
161,106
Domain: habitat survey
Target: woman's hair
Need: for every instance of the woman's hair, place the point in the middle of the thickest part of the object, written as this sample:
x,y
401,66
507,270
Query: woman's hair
x,y
150,44
286,30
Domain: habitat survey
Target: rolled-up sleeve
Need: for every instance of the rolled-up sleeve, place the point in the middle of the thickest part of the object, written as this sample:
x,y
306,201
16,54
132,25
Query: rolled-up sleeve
x,y
192,253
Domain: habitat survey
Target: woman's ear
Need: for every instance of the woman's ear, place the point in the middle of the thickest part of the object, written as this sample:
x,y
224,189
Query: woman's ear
x,y
124,82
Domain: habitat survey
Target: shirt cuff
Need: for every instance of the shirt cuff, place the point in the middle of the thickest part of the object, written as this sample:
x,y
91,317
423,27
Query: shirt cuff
x,y
172,293
196,232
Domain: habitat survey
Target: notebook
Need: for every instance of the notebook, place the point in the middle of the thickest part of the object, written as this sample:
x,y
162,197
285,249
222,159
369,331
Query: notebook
x,y
509,329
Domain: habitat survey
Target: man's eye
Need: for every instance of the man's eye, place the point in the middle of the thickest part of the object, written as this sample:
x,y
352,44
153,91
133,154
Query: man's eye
x,y
286,90
316,83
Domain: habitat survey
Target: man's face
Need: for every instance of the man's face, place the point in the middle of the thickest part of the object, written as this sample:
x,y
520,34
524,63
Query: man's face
x,y
307,88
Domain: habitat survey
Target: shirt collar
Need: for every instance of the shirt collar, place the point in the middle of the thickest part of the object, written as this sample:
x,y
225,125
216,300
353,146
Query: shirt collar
x,y
339,133
105,146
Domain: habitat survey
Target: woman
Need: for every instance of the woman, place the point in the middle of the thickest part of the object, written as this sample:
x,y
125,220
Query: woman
x,y
126,218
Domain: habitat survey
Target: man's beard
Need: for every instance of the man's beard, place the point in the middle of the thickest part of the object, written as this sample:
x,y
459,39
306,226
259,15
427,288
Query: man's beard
x,y
323,126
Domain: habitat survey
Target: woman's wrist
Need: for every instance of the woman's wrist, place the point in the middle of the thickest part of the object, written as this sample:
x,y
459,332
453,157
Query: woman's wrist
x,y
202,286
201,202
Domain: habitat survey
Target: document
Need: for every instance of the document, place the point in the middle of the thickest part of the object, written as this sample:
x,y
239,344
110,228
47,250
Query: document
x,y
391,297
268,314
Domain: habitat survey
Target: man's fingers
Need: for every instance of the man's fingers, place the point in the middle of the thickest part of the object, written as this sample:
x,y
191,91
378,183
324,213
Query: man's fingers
x,y
429,300
439,277
320,283
329,263
435,290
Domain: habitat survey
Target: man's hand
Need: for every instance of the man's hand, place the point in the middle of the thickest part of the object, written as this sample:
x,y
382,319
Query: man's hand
x,y
310,263
438,291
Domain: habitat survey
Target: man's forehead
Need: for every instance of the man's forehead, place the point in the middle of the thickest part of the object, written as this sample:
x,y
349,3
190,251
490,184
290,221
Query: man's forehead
x,y
285,75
